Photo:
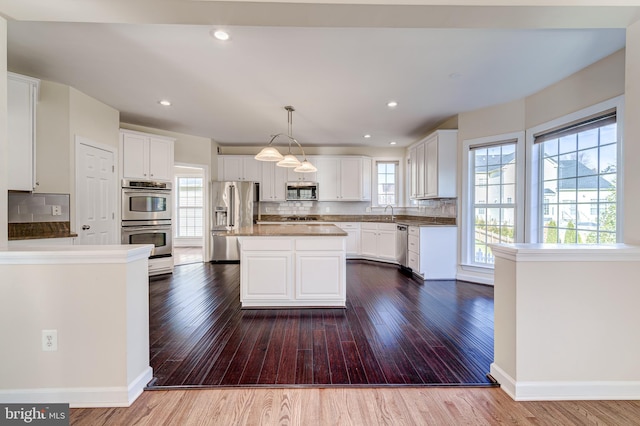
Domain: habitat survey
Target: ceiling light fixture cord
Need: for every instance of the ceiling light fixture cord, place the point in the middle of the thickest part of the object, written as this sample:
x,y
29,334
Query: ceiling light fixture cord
x,y
270,153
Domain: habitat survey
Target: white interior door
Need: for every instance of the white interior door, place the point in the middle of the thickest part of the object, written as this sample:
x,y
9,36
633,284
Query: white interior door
x,y
95,193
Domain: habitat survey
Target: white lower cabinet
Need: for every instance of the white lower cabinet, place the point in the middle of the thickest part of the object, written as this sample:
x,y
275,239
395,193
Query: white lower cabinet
x,y
432,251
378,241
292,271
353,237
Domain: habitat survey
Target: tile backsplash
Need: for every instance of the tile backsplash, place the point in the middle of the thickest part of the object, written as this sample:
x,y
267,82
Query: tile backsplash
x,y
30,207
431,208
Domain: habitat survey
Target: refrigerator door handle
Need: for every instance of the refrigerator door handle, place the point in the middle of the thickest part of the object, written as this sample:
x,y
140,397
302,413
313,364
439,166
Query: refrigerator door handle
x,y
232,206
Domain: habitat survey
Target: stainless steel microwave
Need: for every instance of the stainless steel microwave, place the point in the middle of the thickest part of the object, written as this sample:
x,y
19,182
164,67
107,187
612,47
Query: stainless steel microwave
x,y
301,191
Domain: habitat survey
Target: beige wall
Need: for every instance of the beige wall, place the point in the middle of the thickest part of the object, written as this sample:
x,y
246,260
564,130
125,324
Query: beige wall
x,y
63,113
494,120
314,150
3,134
93,120
595,83
631,141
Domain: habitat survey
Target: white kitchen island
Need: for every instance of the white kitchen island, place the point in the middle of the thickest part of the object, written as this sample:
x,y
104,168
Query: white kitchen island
x,y
294,266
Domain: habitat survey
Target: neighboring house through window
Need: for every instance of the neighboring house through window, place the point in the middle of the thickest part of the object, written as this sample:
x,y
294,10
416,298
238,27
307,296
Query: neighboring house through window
x,y
491,214
577,175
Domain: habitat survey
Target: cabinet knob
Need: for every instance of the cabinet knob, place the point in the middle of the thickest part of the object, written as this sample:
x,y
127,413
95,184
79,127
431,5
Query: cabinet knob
x,y
85,227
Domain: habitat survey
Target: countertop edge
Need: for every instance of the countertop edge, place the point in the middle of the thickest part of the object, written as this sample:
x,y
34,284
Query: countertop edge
x,y
65,254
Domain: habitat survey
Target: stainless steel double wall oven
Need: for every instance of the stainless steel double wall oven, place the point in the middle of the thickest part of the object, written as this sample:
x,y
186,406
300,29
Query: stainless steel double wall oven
x,y
146,215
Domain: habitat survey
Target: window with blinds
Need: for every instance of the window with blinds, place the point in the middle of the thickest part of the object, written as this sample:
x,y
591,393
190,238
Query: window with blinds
x,y
578,180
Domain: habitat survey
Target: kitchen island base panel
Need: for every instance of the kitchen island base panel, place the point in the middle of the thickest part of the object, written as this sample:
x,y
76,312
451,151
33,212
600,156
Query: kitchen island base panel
x,y
293,272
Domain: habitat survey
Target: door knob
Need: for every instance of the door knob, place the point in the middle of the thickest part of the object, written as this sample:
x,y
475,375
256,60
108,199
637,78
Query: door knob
x,y
85,227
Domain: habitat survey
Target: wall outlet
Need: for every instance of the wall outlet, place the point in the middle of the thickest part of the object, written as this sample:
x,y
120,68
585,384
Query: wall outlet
x,y
56,210
49,340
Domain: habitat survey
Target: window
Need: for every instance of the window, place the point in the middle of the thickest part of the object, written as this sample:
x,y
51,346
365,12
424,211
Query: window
x,y
493,176
189,197
577,177
387,182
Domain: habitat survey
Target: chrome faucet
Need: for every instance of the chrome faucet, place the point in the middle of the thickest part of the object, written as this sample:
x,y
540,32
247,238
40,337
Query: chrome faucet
x,y
392,215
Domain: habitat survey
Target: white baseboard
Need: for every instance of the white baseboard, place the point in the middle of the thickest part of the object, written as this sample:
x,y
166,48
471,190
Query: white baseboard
x,y
566,391
117,396
474,277
188,242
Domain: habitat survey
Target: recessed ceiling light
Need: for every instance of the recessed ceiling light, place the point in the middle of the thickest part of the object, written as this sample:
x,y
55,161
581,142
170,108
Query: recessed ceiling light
x,y
367,136
220,35
164,102
455,75
392,143
392,104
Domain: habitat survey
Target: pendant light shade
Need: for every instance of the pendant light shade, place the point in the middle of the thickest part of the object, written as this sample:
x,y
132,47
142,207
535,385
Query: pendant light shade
x,y
305,167
270,153
289,160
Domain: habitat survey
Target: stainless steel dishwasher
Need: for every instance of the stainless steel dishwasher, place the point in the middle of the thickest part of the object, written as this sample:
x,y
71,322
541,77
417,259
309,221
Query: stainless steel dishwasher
x,y
401,245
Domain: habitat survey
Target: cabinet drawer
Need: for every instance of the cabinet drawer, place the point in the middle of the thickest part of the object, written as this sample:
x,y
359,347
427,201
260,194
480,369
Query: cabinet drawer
x,y
414,244
414,230
265,243
369,225
345,225
320,244
414,261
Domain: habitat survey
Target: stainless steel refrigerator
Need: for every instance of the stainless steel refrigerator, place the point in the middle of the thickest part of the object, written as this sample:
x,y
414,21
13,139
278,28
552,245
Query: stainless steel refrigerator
x,y
234,206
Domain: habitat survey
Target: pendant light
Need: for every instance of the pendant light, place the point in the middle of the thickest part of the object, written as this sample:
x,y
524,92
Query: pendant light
x,y
270,153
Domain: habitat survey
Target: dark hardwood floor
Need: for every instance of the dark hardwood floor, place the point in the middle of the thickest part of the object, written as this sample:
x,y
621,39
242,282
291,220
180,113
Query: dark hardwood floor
x,y
394,331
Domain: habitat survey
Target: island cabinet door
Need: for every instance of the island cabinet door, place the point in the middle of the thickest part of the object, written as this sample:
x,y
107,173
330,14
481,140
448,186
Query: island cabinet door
x,y
320,273
267,276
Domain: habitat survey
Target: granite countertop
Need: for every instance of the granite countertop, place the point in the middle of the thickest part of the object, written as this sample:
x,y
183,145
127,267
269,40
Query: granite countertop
x,y
400,219
38,230
288,230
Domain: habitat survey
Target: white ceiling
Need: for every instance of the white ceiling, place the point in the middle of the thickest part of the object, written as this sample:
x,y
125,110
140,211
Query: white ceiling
x,y
338,79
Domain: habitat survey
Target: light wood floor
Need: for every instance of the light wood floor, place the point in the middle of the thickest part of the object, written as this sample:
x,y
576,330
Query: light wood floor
x,y
350,406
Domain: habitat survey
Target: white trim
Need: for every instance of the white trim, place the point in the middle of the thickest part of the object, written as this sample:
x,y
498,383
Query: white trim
x,y
567,252
565,391
475,274
74,254
187,241
507,383
87,397
466,207
532,165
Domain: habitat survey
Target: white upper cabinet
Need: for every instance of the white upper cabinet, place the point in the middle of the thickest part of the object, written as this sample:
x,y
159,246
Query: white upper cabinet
x,y
146,156
433,166
239,168
22,96
273,182
344,178
413,176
